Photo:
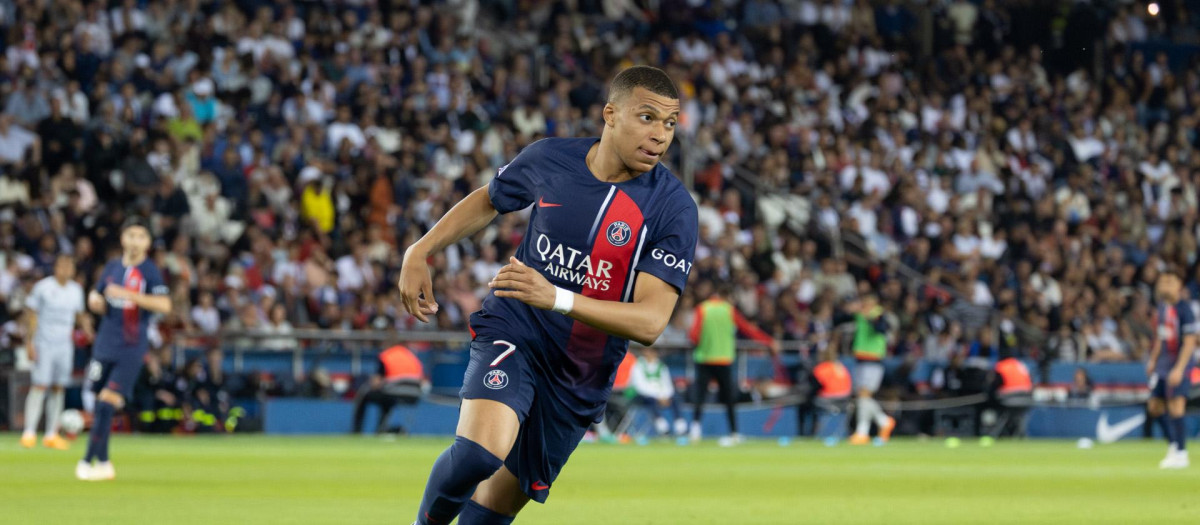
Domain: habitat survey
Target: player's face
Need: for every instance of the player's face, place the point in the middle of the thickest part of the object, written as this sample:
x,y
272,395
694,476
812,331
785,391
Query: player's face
x,y
644,125
1168,287
135,240
64,269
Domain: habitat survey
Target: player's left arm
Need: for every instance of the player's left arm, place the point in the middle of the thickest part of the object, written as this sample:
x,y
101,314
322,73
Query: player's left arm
x,y
85,323
642,320
746,327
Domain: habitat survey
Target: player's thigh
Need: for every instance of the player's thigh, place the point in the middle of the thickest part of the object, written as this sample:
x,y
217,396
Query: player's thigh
x,y
42,374
118,380
868,376
703,377
497,394
62,361
1177,406
1155,406
725,383
491,424
501,493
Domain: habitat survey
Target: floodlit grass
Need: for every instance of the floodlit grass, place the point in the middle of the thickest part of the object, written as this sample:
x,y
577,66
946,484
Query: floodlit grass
x,y
261,479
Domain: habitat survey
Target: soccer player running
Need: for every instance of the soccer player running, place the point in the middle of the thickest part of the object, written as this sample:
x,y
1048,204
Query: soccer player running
x,y
129,291
606,255
1170,365
53,309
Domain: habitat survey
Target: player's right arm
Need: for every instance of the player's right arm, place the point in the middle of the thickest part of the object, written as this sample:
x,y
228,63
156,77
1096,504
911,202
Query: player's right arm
x,y
510,190
31,320
467,217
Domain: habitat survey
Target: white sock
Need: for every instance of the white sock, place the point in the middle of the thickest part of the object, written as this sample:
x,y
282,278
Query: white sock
x,y
89,399
863,416
602,428
33,409
881,417
54,408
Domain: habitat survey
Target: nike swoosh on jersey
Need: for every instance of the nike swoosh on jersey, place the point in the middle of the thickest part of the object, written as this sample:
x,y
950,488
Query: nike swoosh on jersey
x,y
543,204
537,485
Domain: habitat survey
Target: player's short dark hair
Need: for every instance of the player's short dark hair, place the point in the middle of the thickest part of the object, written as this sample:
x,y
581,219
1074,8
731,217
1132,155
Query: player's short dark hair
x,y
724,289
135,220
652,79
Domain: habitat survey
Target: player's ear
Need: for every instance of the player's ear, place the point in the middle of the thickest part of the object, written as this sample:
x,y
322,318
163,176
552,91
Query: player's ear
x,y
610,115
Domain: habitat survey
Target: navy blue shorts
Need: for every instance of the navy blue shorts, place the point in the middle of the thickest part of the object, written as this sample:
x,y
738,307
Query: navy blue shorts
x,y
117,375
550,431
1159,388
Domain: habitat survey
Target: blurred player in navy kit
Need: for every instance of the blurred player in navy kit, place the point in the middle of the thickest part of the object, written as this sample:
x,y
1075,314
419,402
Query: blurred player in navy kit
x,y
1170,366
130,290
608,251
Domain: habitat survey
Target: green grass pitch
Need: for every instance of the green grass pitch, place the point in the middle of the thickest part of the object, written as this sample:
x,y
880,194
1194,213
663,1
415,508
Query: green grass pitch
x,y
358,480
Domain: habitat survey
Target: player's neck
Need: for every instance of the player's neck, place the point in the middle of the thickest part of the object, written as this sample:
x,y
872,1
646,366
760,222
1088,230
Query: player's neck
x,y
132,260
61,282
606,167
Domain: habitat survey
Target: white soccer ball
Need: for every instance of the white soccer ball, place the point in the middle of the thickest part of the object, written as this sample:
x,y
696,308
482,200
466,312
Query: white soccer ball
x,y
71,422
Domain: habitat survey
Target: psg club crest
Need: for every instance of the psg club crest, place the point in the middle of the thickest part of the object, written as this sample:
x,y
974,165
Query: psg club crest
x,y
495,379
619,233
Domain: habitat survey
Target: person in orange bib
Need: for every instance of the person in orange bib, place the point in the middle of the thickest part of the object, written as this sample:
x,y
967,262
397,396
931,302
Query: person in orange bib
x,y
1014,390
830,386
399,379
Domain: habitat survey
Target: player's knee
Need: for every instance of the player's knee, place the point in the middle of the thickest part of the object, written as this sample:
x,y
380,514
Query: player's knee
x,y
468,464
38,388
488,510
501,494
112,398
1177,407
1155,407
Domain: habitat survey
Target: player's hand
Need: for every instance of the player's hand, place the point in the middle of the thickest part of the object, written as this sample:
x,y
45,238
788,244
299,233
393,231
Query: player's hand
x,y
1149,369
96,302
524,284
774,347
416,286
1175,378
30,351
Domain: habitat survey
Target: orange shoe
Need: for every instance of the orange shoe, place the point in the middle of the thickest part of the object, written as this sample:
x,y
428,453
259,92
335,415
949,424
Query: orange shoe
x,y
28,441
55,442
859,439
885,432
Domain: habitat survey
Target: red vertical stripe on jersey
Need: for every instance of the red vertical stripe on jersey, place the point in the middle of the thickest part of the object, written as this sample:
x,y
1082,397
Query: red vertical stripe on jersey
x,y
585,347
130,313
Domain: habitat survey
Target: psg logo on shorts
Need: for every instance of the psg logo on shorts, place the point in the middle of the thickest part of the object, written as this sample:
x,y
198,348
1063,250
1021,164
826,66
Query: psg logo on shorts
x,y
619,233
495,379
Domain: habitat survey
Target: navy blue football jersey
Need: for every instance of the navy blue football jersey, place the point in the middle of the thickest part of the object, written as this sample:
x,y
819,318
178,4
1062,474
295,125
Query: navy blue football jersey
x,y
593,238
123,329
1173,322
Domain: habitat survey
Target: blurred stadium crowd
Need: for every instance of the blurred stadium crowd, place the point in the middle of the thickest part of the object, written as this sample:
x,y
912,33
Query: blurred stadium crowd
x,y
999,173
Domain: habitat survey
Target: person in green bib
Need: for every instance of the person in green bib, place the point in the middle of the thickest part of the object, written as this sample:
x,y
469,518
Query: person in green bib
x,y
870,347
714,332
